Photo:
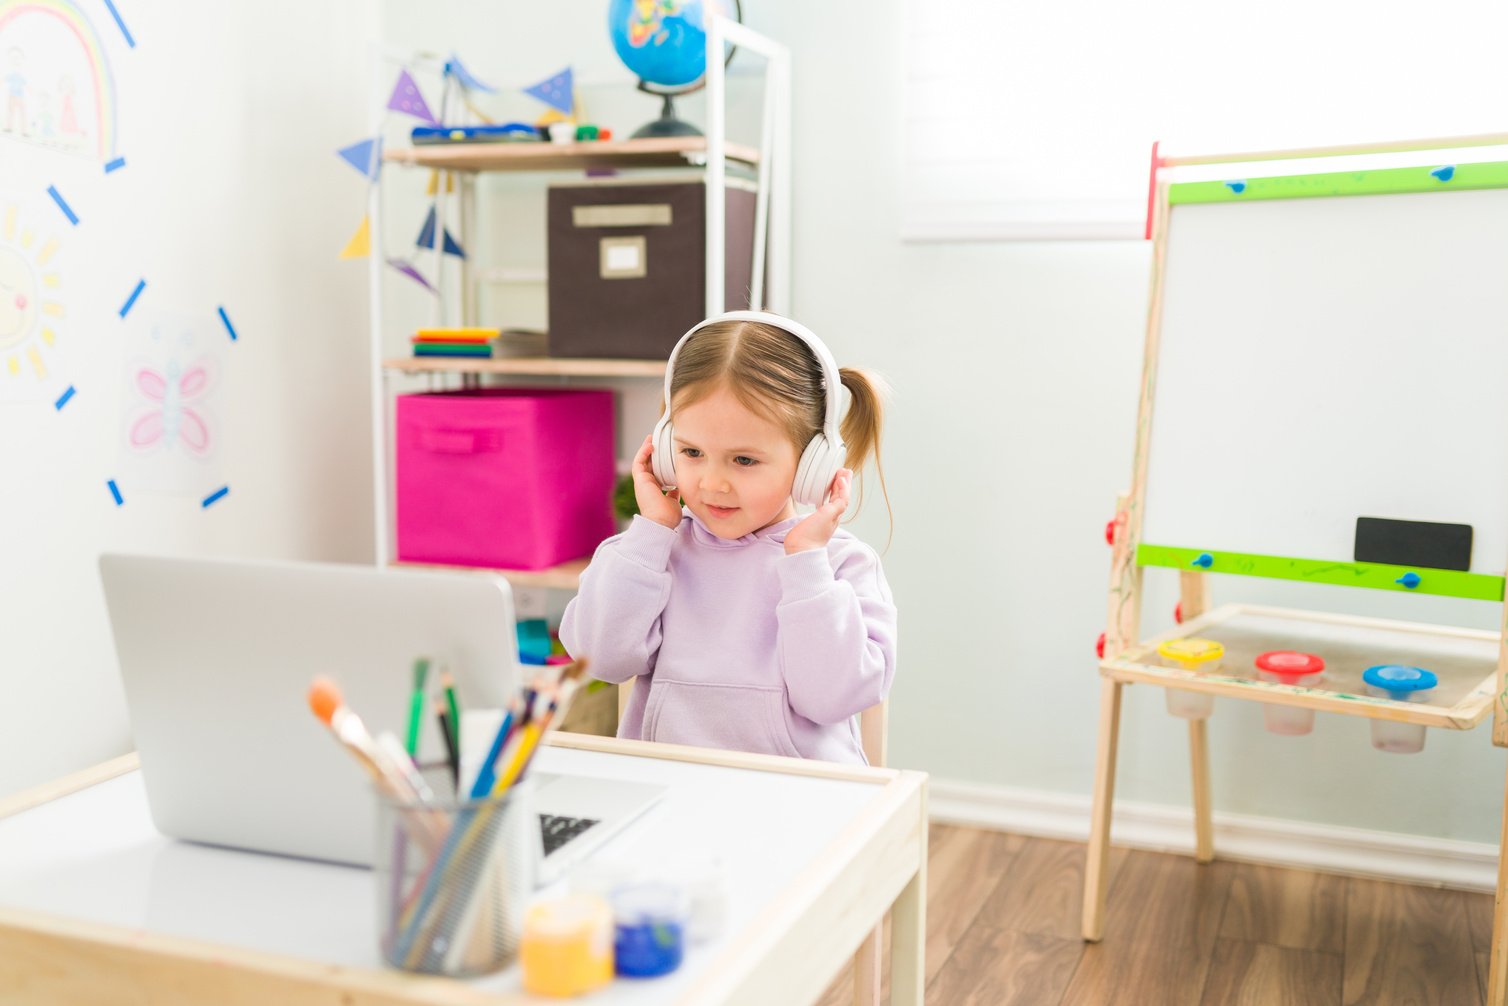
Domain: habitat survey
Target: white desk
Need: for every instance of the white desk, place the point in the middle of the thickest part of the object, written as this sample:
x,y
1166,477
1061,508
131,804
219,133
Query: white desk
x,y
96,906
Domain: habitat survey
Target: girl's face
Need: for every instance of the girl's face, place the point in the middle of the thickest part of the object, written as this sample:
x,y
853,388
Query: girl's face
x,y
734,468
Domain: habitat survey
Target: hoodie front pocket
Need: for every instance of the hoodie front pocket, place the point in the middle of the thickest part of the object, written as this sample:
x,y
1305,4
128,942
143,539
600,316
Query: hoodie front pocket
x,y
733,717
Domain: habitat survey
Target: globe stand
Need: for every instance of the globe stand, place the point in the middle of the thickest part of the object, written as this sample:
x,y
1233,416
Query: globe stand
x,y
667,124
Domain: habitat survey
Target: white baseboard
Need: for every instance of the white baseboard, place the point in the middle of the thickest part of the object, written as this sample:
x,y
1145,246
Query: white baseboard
x,y
1468,866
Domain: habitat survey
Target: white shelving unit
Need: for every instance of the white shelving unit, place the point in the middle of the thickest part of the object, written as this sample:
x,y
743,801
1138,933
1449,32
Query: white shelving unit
x,y
770,163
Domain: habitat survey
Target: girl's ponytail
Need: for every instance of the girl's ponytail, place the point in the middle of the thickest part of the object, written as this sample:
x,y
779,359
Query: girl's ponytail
x,y
861,430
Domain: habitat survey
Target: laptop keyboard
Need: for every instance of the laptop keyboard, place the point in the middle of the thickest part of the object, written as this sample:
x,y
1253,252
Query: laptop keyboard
x,y
557,829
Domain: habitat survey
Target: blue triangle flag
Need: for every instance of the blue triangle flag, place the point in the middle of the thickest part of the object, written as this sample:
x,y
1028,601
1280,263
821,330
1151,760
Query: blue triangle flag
x,y
557,92
427,237
364,156
456,69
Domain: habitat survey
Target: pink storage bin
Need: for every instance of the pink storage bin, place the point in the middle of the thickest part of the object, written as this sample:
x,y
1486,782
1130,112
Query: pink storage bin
x,y
511,478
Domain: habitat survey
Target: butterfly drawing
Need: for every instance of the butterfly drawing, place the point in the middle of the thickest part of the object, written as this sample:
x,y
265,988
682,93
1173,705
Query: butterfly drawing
x,y
171,417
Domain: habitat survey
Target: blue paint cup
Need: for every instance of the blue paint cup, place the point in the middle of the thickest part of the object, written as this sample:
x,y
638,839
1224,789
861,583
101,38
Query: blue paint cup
x,y
1400,683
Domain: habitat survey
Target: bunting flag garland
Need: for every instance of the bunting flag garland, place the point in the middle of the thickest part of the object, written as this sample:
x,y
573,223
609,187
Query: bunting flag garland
x,y
412,273
427,237
557,92
456,69
364,155
408,100
360,245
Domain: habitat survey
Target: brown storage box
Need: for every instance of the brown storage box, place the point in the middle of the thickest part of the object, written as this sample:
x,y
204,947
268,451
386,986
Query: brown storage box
x,y
626,265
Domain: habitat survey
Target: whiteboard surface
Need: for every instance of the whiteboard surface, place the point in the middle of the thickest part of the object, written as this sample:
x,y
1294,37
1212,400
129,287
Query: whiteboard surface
x,y
1328,358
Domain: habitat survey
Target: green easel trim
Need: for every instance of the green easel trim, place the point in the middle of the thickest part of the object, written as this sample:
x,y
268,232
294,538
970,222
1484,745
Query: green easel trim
x,y
1383,181
1378,576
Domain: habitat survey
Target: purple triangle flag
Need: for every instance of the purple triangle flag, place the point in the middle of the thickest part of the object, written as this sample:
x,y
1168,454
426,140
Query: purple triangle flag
x,y
457,69
364,156
410,272
556,92
407,99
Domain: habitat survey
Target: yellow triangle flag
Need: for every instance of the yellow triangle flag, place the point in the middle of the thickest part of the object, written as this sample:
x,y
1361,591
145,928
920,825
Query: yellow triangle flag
x,y
360,245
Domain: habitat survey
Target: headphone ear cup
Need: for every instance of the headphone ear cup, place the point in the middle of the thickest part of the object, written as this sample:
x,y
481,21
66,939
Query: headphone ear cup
x,y
814,473
662,460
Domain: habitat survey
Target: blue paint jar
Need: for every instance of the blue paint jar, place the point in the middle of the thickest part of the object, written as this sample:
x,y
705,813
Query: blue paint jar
x,y
649,929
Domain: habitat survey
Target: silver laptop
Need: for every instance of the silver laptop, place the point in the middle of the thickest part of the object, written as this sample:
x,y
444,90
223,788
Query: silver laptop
x,y
216,657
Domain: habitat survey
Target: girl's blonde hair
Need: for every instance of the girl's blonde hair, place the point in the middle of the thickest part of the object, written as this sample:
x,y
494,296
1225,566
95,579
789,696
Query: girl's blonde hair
x,y
774,373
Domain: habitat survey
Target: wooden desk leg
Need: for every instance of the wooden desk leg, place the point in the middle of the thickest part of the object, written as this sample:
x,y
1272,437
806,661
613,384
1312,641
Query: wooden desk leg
x,y
1095,875
1497,970
1199,756
866,969
908,938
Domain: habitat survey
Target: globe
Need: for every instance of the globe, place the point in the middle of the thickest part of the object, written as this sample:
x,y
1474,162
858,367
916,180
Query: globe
x,y
664,44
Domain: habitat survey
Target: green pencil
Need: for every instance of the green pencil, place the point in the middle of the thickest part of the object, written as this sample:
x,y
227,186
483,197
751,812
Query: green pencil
x,y
416,706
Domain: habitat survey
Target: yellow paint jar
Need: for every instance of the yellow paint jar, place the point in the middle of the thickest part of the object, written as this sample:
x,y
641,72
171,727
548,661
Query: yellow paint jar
x,y
567,946
1191,654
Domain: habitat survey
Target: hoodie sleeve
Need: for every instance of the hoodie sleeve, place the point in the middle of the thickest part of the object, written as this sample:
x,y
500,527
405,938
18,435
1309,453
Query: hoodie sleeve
x,y
614,619
837,631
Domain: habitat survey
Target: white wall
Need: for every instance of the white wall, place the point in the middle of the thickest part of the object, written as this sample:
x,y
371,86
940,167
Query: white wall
x,y
229,118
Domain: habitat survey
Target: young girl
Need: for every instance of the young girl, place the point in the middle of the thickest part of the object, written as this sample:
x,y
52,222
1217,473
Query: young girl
x,y
747,626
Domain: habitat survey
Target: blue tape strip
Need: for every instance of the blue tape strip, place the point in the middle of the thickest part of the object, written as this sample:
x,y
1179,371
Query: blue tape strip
x,y
115,165
215,496
63,398
123,29
126,307
57,197
228,326
115,491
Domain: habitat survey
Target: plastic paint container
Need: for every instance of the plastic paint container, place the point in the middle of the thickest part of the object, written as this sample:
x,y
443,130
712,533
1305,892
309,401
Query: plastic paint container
x,y
567,946
650,929
1401,684
1191,654
1289,667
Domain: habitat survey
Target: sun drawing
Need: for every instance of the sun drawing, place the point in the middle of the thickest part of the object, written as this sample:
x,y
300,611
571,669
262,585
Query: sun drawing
x,y
28,311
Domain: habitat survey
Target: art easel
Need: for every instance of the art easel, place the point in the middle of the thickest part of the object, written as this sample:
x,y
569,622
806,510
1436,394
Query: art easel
x,y
1472,665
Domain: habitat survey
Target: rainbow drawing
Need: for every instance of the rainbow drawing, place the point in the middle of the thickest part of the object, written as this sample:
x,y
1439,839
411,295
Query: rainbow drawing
x,y
15,13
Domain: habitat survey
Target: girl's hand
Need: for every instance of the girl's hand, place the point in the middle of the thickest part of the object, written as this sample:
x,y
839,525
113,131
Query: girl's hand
x,y
653,503
817,530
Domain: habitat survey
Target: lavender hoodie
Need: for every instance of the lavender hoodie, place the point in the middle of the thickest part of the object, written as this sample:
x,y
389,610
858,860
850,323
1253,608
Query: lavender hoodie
x,y
737,644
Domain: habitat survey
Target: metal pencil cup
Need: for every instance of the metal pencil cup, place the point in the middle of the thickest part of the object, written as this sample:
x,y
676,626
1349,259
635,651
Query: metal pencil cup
x,y
454,878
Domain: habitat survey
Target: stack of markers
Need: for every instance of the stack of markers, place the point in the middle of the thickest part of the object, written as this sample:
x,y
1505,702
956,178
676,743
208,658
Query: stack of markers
x,y
465,342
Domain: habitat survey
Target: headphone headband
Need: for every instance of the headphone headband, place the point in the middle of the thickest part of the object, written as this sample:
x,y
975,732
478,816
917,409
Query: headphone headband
x,y
833,392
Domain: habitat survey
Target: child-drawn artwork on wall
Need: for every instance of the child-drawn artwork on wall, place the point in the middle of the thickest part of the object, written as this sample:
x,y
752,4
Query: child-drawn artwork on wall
x,y
33,318
170,435
55,79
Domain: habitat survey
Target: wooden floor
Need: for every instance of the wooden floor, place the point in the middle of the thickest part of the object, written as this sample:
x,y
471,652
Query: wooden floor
x,y
1003,929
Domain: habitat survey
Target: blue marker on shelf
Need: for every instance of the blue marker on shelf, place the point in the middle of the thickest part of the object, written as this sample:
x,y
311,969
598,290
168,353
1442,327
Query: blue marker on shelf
x,y
1204,561
1409,580
1444,174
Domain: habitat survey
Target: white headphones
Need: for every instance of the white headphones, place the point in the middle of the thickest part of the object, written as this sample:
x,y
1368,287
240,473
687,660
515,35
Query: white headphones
x,y
824,453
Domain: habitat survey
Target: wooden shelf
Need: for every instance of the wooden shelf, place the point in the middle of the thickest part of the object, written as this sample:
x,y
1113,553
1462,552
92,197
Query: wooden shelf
x,y
672,151
566,576
1465,660
538,365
